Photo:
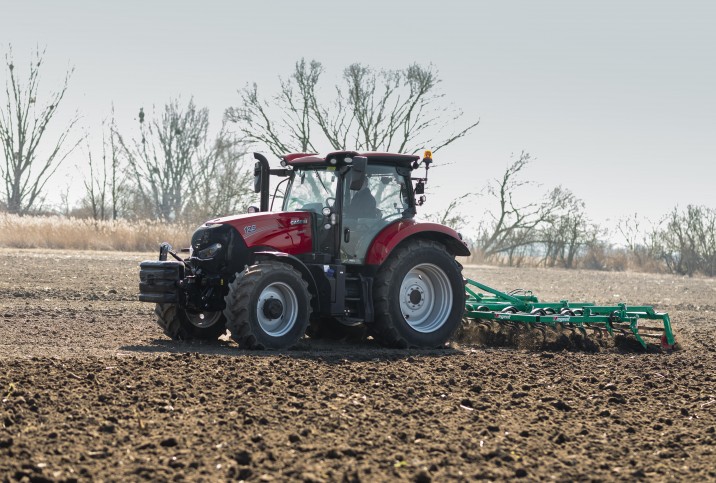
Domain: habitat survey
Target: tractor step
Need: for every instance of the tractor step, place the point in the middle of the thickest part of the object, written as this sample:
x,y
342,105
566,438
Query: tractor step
x,y
523,309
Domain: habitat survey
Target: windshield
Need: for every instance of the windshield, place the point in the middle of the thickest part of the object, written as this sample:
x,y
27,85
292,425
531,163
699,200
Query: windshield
x,y
311,190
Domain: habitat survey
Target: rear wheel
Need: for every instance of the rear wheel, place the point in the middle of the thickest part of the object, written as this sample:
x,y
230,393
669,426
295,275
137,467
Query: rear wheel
x,y
179,324
267,307
419,296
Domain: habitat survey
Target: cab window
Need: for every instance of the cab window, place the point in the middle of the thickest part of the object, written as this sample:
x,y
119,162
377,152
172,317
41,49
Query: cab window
x,y
383,196
311,190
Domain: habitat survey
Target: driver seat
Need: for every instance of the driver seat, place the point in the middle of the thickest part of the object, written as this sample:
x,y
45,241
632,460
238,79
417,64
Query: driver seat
x,y
363,205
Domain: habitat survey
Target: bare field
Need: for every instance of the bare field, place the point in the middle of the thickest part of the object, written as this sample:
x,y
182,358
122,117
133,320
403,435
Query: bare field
x,y
90,389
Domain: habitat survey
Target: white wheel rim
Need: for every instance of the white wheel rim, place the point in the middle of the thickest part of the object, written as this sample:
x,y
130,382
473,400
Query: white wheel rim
x,y
281,325
203,320
425,298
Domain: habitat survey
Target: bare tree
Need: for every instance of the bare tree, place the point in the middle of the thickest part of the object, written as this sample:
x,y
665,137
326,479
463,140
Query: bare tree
x,y
29,162
178,173
566,233
512,225
224,184
688,241
162,159
105,184
96,184
386,110
643,243
452,216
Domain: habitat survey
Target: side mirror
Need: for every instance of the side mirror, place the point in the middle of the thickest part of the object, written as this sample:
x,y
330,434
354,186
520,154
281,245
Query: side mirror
x,y
419,188
257,177
358,172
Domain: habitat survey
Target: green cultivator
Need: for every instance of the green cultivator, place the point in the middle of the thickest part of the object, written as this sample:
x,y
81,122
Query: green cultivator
x,y
521,310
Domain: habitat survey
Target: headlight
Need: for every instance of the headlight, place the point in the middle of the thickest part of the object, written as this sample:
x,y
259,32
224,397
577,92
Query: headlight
x,y
209,252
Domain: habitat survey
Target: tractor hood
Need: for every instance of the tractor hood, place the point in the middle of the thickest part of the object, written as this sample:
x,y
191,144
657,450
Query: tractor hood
x,y
284,231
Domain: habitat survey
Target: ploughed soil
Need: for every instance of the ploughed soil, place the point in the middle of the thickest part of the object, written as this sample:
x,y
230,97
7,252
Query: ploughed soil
x,y
90,389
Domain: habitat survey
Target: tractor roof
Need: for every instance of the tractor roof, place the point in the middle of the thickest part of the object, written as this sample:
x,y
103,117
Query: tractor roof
x,y
341,158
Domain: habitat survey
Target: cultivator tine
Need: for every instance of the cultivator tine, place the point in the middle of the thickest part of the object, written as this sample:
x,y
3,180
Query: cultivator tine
x,y
520,310
598,331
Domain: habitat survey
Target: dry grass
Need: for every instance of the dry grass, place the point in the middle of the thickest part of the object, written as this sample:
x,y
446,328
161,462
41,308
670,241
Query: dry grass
x,y
58,232
84,234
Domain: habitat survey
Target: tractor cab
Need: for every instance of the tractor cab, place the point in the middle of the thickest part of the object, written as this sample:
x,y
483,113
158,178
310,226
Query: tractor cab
x,y
352,197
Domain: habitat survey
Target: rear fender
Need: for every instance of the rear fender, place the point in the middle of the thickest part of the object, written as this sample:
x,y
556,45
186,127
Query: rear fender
x,y
402,232
295,263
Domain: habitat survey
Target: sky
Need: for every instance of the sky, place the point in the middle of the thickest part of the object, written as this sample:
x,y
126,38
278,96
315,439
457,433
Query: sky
x,y
614,100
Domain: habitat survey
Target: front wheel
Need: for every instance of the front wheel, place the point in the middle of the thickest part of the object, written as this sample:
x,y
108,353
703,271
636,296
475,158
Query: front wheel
x,y
419,296
268,306
179,324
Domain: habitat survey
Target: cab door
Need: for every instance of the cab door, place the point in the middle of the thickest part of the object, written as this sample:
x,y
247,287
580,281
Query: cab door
x,y
382,200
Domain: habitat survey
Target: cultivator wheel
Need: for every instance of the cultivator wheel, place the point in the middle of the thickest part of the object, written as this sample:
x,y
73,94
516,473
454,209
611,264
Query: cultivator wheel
x,y
583,324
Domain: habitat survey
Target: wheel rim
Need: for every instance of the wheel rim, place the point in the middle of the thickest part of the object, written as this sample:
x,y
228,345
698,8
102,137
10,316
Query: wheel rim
x,y
426,298
203,320
277,309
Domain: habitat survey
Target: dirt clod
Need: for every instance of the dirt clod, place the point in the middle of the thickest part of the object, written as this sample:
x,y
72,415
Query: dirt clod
x,y
169,442
243,457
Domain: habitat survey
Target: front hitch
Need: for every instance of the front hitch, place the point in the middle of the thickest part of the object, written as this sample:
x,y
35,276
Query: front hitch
x,y
159,281
166,249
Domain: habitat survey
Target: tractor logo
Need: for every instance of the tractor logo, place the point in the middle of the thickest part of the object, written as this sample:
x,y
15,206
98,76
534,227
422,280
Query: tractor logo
x,y
503,316
299,221
249,229
564,318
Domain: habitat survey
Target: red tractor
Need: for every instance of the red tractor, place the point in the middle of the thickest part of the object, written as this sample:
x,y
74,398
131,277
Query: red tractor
x,y
345,255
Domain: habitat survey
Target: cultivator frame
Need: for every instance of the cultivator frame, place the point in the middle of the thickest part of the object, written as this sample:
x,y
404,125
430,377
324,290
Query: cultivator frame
x,y
522,309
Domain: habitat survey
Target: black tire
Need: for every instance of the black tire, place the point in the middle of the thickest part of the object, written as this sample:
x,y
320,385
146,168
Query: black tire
x,y
329,328
179,324
252,325
401,290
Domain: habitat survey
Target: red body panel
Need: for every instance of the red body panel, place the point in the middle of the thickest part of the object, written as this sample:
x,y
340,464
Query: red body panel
x,y
288,232
384,243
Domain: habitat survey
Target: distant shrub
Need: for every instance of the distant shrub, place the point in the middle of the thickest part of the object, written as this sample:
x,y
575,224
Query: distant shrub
x,y
687,241
85,234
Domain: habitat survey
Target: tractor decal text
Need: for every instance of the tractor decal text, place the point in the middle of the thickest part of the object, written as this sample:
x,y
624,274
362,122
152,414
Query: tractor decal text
x,y
503,316
299,221
564,318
